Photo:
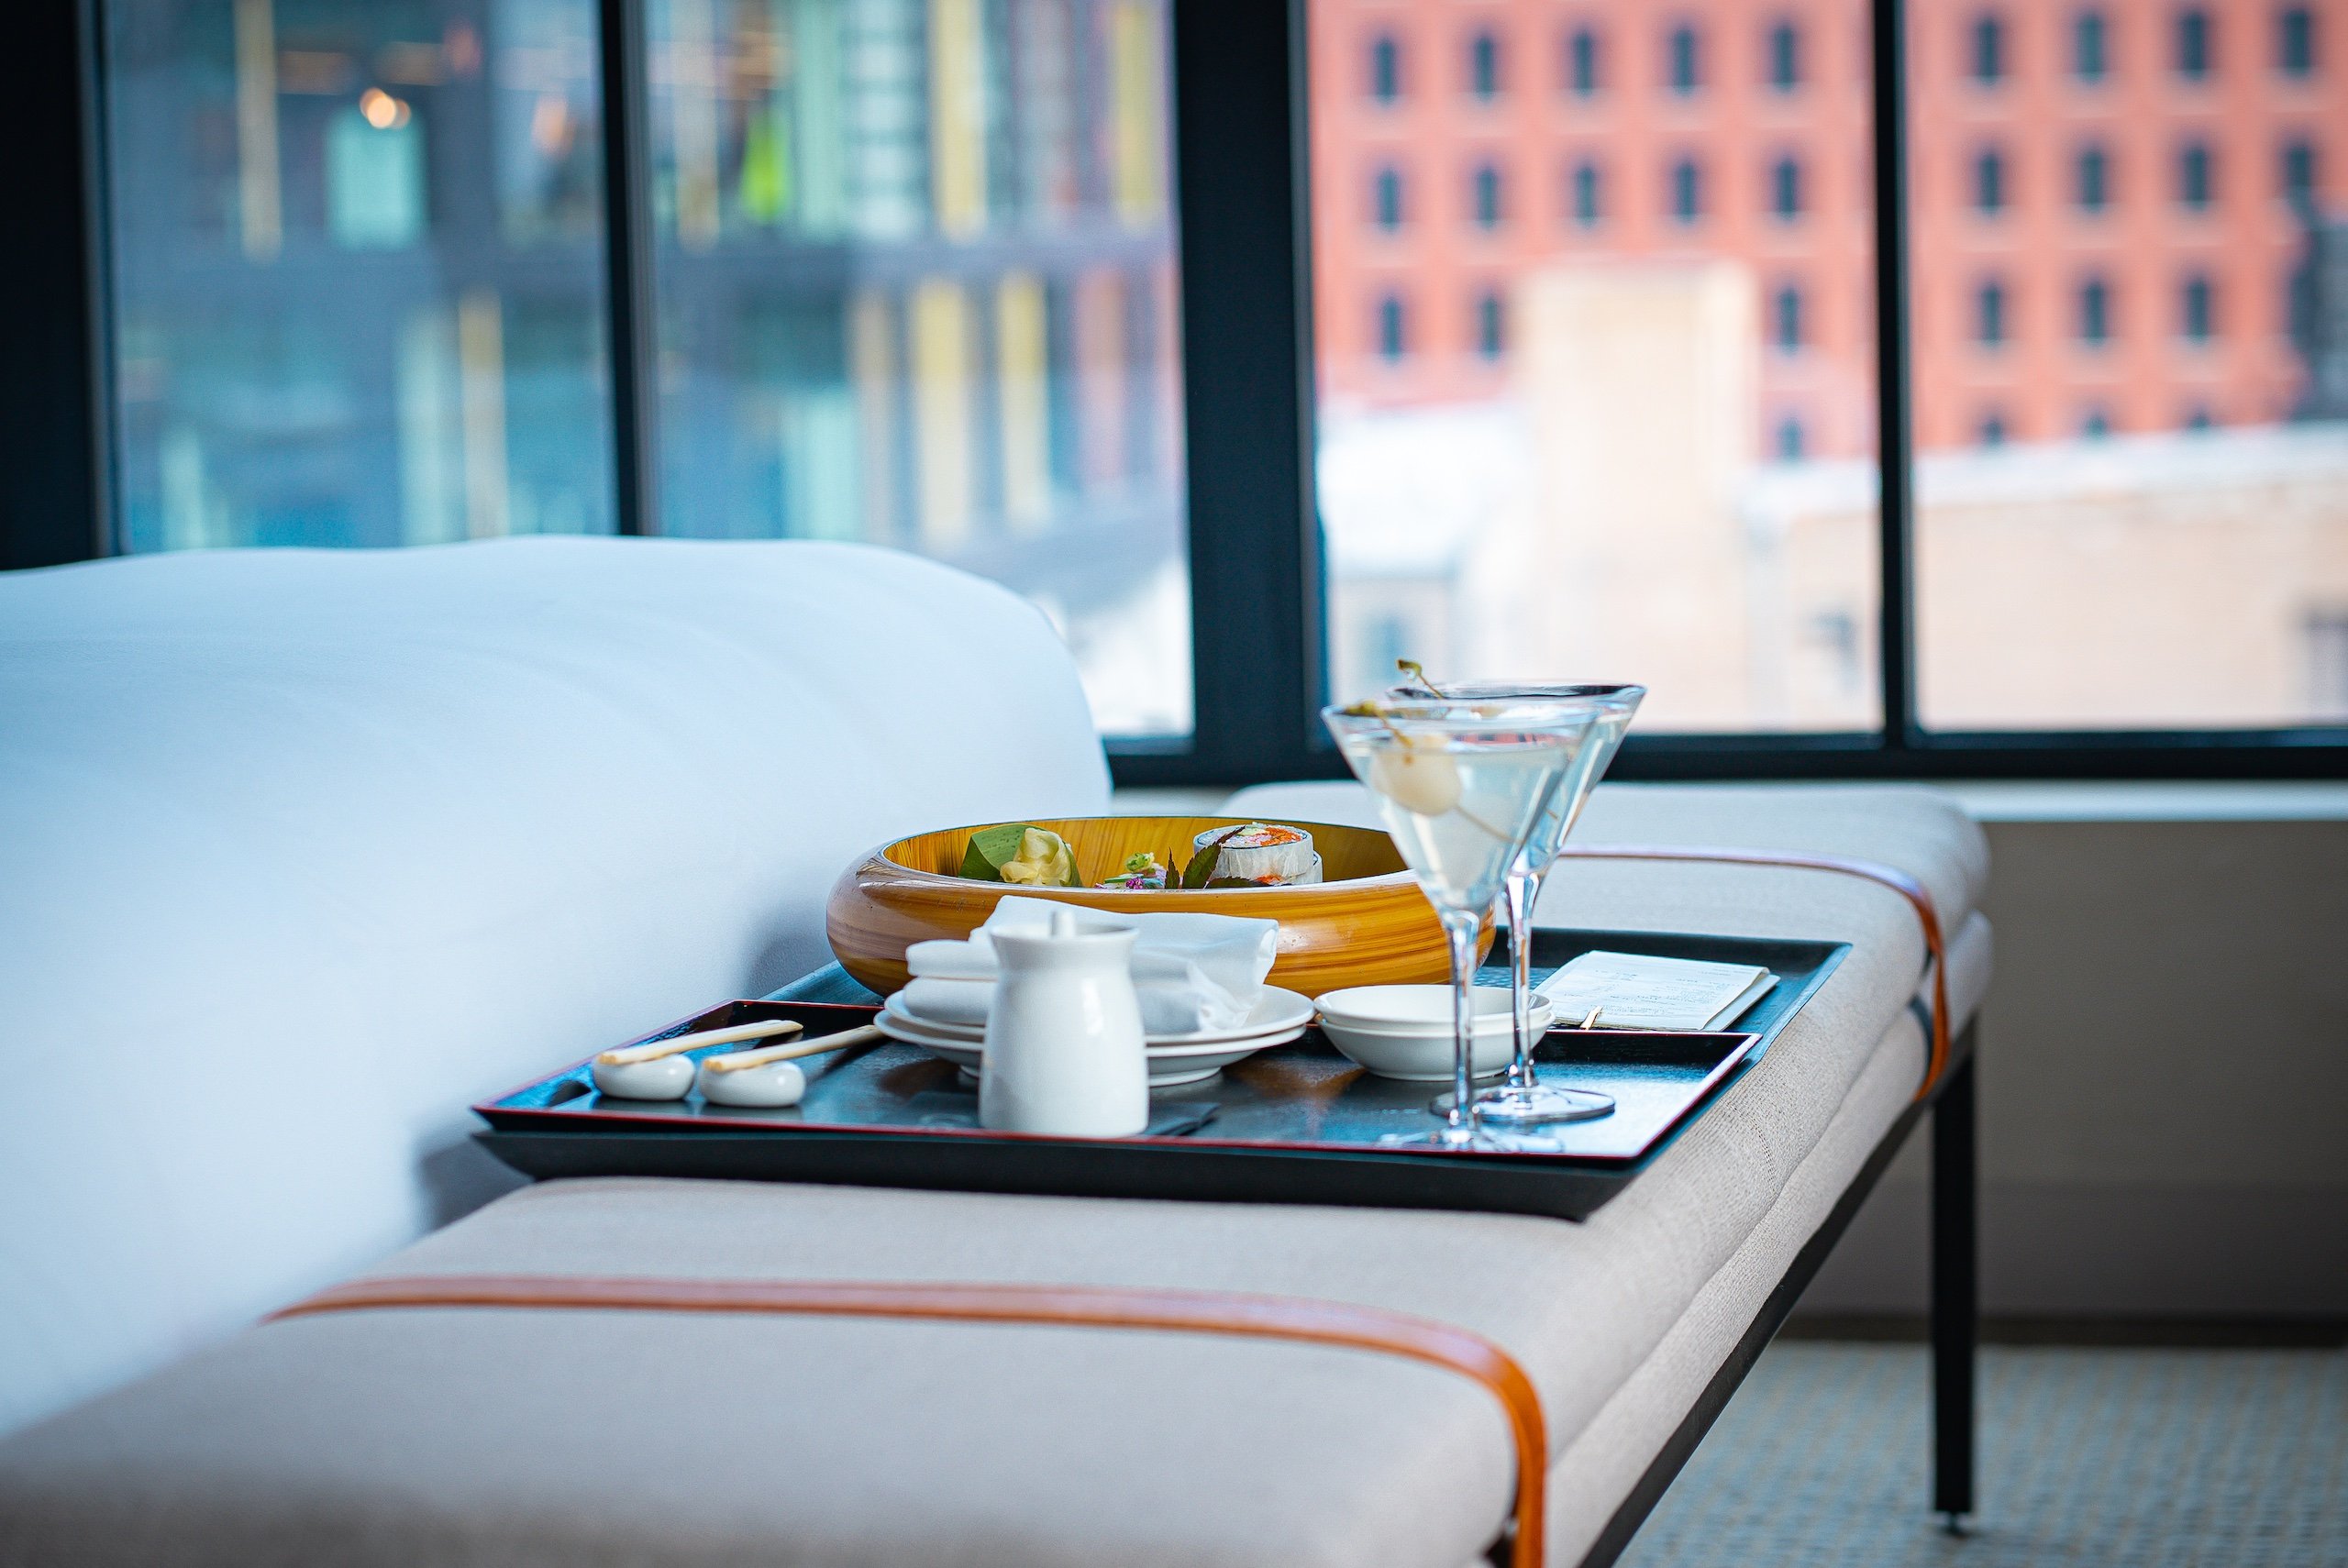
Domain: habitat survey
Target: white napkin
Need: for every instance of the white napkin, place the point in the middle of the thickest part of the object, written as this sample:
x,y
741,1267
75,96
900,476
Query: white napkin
x,y
1192,972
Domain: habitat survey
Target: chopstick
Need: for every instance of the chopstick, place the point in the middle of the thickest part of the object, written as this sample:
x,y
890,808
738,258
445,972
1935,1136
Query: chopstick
x,y
653,1050
735,1061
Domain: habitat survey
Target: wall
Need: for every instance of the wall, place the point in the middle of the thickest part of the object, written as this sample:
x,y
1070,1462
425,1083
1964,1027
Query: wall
x,y
2164,1069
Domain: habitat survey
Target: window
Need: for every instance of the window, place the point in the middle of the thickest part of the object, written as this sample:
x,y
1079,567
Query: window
x,y
1385,69
2193,44
2297,173
1386,198
1584,198
1785,319
1581,62
2095,312
1785,56
1989,181
913,280
2195,178
1991,431
1392,344
1490,324
2095,423
1484,66
1988,54
2294,41
1990,314
2197,309
2326,640
2093,178
1683,71
1785,189
2091,185
1686,190
2090,46
1484,195
1790,440
2199,418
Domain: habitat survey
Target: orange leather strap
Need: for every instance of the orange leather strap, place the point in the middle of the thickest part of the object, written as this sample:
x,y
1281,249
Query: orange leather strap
x,y
1085,1306
1891,876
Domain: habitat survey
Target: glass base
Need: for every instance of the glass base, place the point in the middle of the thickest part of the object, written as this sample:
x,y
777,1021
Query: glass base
x,y
1536,1104
1483,1141
1542,1103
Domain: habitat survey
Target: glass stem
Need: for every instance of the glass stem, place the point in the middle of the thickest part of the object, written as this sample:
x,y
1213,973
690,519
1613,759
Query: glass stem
x,y
1523,889
1462,929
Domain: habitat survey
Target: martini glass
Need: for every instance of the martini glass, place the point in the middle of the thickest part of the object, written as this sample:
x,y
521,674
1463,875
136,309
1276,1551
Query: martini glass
x,y
1461,786
1522,1099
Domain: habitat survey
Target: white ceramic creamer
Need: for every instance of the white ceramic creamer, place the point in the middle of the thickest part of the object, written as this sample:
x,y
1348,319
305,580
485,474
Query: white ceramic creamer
x,y
1064,1051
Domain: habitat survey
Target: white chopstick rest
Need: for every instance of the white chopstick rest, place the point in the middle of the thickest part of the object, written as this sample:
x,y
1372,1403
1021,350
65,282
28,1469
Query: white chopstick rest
x,y
767,1084
770,1077
663,1077
658,1069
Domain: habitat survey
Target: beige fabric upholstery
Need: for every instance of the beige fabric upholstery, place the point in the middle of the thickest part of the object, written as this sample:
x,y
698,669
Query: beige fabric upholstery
x,y
481,1437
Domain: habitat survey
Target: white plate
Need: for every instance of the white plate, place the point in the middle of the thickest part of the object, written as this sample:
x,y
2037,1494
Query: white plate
x,y
1169,1065
1275,1009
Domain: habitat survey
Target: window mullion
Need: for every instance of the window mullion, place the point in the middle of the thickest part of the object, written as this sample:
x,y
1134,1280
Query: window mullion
x,y
1894,442
630,318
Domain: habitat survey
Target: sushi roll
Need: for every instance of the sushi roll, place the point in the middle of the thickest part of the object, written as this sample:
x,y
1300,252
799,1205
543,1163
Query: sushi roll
x,y
1269,854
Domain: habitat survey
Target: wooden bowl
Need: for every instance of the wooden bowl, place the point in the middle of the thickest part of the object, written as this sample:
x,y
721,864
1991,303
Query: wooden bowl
x,y
1366,923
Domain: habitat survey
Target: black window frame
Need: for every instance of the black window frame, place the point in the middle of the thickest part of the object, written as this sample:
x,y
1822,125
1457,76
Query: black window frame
x,y
1238,89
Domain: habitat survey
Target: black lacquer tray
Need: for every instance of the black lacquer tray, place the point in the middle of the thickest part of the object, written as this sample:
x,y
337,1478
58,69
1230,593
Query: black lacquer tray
x,y
1295,1124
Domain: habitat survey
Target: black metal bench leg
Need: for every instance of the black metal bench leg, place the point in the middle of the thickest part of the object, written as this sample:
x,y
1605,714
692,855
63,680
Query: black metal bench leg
x,y
1956,1298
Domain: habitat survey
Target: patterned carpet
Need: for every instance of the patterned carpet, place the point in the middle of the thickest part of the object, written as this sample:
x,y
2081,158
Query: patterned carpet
x,y
2091,1458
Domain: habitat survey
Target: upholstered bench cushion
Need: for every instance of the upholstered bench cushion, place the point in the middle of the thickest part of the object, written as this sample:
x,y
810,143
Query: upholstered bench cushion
x,y
499,1436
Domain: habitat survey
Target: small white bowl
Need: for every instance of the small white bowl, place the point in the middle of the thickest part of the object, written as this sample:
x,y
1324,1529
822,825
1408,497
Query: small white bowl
x,y
1404,1032
663,1077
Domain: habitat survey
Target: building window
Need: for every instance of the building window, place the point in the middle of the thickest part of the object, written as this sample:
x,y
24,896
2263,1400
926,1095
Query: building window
x,y
2193,44
2195,177
2327,645
1491,325
2095,425
1581,61
1989,182
1785,188
2095,312
2090,46
1686,190
1990,313
2299,173
1585,194
1785,56
1484,65
1484,195
1386,198
2092,187
1988,50
1393,340
1991,431
2200,418
2294,41
1385,69
1785,319
1683,69
1790,439
2198,309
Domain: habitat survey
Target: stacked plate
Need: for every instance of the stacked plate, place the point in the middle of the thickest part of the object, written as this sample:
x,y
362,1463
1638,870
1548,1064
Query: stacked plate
x,y
1280,1016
